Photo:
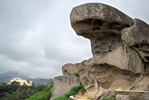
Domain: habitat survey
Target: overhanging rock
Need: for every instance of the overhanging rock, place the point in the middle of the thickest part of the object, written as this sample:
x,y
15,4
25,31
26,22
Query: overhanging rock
x,y
120,47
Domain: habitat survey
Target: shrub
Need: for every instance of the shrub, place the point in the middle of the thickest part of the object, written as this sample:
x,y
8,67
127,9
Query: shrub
x,y
43,95
75,74
50,86
83,91
83,61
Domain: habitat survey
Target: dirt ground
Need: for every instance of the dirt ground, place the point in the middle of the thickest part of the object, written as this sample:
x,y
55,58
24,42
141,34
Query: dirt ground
x,y
86,96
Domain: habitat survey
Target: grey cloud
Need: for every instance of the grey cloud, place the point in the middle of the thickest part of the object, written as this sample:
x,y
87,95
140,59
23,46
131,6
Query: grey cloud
x,y
37,38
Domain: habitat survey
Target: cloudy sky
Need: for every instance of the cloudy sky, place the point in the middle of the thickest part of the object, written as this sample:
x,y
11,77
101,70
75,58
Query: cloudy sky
x,y
36,37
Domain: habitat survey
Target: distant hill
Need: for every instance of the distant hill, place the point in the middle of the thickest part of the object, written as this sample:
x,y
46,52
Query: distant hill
x,y
5,77
13,74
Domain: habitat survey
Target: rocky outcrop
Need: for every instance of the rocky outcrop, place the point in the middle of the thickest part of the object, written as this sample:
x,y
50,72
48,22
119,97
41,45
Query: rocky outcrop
x,y
94,18
69,69
137,37
120,48
131,95
124,95
107,94
63,84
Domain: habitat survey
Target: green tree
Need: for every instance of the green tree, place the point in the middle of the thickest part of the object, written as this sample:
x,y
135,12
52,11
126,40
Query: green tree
x,y
17,92
83,61
33,84
27,81
42,95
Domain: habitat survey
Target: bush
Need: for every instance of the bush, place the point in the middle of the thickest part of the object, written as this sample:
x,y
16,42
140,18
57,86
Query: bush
x,y
83,91
43,95
75,74
73,91
50,86
83,61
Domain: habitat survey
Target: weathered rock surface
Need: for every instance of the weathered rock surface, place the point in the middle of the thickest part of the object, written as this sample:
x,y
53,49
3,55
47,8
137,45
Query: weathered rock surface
x,y
137,37
137,34
143,85
69,69
122,97
63,84
107,94
96,18
120,48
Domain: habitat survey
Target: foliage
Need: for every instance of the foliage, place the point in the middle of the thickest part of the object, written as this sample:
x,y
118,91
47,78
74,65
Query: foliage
x,y
18,95
90,98
16,92
33,84
108,98
50,86
73,91
75,74
8,89
43,95
3,84
83,61
83,91
27,81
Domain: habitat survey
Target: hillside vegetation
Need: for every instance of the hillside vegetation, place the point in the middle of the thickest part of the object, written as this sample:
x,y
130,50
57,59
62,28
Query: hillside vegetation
x,y
17,92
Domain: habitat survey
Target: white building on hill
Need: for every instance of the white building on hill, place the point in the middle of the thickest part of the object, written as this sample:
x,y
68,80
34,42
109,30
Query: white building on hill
x,y
19,80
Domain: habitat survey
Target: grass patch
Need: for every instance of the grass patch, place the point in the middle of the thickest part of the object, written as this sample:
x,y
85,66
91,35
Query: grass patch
x,y
90,98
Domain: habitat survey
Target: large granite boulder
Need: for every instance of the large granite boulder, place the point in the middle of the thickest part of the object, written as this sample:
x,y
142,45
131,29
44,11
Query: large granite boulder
x,y
63,84
69,69
96,19
119,44
137,37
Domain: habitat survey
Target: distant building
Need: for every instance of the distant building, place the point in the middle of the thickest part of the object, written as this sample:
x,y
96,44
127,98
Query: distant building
x,y
19,80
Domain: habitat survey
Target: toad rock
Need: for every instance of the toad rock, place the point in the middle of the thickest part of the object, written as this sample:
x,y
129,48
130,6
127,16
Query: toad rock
x,y
120,47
